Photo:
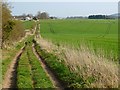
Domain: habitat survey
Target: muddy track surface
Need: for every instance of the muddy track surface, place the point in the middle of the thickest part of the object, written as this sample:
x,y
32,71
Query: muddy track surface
x,y
47,70
10,79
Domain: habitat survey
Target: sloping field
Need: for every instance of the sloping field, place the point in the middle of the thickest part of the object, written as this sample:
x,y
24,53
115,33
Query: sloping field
x,y
100,36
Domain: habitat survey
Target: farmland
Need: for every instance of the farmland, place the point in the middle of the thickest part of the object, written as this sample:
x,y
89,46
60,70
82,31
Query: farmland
x,y
71,67
28,24
94,34
88,47
41,51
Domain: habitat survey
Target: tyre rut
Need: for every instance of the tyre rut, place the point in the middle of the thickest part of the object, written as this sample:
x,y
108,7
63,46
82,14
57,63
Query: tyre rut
x,y
50,74
10,80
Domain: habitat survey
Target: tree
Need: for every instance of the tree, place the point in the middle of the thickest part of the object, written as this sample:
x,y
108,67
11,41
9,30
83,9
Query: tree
x,y
23,15
38,14
6,14
30,15
44,15
97,17
7,24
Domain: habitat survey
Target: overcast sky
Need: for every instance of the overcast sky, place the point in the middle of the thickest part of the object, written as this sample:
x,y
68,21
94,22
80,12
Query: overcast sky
x,y
64,9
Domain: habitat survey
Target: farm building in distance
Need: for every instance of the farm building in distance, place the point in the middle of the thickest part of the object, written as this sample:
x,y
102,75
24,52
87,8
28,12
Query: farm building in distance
x,y
28,18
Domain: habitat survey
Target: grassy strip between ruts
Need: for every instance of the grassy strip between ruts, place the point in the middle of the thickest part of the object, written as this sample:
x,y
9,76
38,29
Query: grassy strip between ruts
x,y
69,79
40,79
24,78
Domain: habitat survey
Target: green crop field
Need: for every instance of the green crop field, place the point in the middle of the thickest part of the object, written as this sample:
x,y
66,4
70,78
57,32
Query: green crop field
x,y
28,24
95,34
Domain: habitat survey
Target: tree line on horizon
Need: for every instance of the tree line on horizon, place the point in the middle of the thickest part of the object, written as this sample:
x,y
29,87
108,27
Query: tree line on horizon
x,y
45,15
99,17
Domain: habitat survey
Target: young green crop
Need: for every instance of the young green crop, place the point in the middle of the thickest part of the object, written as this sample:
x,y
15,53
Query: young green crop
x,y
29,24
95,34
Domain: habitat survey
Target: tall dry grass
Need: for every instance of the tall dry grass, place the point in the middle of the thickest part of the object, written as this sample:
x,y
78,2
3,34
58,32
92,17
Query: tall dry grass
x,y
102,72
97,72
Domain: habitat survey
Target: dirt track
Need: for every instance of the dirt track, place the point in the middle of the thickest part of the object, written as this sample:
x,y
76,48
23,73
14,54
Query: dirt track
x,y
10,79
10,76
